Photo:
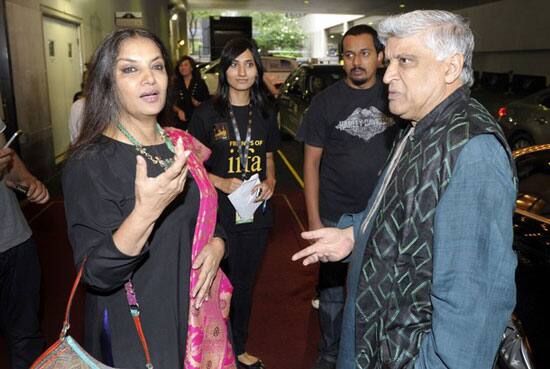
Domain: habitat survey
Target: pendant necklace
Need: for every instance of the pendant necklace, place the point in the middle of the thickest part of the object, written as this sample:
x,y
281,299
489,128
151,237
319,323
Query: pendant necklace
x,y
155,159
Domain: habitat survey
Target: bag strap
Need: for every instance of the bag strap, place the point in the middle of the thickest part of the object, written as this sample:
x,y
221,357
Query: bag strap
x,y
134,310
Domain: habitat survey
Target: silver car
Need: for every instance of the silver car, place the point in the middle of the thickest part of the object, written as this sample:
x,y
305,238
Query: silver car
x,y
526,122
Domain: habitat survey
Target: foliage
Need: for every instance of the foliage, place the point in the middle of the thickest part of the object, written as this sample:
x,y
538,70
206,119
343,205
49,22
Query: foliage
x,y
276,33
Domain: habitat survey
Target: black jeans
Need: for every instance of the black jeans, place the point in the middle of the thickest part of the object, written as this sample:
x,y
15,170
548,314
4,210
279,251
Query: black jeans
x,y
19,303
245,253
331,287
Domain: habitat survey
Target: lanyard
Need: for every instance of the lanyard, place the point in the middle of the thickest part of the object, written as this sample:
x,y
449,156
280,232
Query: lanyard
x,y
243,154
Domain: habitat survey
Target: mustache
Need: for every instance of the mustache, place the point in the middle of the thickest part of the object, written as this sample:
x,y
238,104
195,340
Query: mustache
x,y
355,69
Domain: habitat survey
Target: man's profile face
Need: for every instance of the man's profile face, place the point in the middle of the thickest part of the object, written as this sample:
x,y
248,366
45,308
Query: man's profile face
x,y
416,80
360,60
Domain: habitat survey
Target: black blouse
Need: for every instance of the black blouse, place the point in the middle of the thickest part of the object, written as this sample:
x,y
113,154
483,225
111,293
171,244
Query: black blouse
x,y
182,96
99,194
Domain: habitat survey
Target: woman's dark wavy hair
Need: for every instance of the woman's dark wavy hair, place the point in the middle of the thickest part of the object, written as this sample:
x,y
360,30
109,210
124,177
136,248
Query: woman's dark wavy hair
x,y
259,96
102,106
194,70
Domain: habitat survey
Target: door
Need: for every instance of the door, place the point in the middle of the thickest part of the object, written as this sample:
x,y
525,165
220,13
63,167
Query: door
x,y
63,66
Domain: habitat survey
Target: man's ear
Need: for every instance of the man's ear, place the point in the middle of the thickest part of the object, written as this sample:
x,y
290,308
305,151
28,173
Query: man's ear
x,y
455,64
380,59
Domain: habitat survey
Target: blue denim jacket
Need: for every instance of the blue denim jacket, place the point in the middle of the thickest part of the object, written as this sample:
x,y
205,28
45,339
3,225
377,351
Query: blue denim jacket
x,y
473,288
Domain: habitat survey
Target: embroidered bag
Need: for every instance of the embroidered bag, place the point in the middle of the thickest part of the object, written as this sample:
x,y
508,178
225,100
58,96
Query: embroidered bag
x,y
66,353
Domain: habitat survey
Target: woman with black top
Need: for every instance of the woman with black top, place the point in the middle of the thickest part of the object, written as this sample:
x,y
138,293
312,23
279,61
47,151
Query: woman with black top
x,y
239,126
131,209
189,91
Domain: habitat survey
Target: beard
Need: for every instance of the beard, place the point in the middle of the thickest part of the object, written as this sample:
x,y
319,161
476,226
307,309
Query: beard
x,y
358,81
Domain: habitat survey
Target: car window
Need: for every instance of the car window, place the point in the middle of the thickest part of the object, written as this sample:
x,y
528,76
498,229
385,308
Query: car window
x,y
545,101
534,176
298,82
322,79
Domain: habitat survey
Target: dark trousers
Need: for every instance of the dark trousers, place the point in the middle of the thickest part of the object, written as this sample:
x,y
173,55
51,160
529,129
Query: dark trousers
x,y
245,253
19,303
331,287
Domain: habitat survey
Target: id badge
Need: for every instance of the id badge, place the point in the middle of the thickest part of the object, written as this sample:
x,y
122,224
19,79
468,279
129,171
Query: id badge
x,y
239,220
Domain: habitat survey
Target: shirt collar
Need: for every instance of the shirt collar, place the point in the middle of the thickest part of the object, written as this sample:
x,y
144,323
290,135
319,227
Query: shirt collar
x,y
437,116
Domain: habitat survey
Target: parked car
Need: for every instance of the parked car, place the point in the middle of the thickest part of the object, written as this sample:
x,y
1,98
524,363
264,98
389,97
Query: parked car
x,y
299,88
276,70
526,122
532,244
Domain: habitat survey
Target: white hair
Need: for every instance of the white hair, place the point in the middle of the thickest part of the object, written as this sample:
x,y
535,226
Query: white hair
x,y
445,33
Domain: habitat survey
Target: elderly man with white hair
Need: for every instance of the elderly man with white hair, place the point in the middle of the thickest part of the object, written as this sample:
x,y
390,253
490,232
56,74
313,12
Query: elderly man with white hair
x,y
431,280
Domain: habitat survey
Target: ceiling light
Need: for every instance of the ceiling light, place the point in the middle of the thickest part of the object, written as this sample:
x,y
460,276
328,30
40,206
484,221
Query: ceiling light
x,y
174,17
306,2
401,6
331,36
370,23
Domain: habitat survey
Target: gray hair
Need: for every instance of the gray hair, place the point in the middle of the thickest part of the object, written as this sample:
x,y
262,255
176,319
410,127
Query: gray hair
x,y
446,33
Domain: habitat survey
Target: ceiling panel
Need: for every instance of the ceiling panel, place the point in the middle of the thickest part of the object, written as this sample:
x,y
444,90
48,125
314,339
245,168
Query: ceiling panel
x,y
367,7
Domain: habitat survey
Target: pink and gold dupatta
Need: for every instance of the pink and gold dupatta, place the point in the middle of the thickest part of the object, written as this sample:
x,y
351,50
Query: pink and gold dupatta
x,y
208,345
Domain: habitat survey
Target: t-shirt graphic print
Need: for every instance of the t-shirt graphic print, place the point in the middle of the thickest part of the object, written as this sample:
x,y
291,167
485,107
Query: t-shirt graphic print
x,y
365,123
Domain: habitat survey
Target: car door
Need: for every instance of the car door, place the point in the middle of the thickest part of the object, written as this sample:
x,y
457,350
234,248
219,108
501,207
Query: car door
x,y
532,245
284,102
298,101
542,119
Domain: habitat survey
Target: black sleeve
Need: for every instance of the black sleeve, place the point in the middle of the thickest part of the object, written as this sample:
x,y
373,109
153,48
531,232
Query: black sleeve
x,y
273,135
313,129
92,217
202,93
197,127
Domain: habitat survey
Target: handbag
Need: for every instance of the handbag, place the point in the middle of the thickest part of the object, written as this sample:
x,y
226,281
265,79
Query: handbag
x,y
514,351
66,353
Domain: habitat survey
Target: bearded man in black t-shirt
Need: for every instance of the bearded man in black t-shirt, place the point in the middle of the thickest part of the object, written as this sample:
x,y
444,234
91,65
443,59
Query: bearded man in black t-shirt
x,y
348,134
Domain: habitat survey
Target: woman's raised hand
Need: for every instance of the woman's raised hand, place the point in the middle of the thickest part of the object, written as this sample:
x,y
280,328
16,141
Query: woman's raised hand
x,y
153,194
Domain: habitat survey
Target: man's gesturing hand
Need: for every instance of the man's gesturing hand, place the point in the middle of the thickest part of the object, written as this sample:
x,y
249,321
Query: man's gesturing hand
x,y
331,244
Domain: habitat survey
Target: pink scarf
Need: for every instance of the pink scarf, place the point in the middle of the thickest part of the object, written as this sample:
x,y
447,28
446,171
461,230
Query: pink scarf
x,y
208,346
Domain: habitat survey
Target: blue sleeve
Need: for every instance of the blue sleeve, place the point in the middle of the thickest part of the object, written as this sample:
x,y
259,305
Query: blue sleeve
x,y
473,291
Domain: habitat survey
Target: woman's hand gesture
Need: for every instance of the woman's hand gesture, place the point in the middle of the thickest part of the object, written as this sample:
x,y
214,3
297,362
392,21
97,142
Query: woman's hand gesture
x,y
154,194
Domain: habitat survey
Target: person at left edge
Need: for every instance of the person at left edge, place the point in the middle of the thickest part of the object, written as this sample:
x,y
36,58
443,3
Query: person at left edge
x,y
240,116
134,217
19,264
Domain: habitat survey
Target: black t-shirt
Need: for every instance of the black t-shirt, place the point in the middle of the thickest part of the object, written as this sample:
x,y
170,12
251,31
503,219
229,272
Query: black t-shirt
x,y
216,132
356,133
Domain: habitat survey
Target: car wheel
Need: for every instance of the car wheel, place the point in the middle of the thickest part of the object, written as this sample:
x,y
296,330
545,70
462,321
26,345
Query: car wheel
x,y
521,140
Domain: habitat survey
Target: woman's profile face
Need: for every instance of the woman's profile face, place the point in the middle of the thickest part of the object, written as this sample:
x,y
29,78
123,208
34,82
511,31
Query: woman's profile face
x,y
242,72
185,68
140,78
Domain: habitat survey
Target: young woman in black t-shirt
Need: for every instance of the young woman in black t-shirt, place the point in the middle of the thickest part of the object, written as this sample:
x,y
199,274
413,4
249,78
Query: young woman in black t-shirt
x,y
239,126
